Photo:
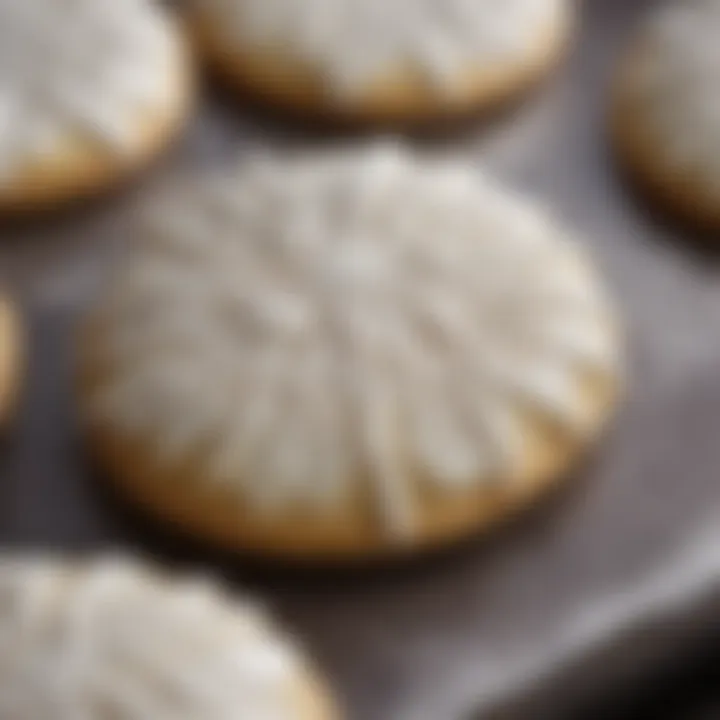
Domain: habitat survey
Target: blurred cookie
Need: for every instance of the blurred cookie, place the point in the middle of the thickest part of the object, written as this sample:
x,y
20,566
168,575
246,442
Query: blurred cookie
x,y
10,357
666,117
112,639
348,354
373,61
89,91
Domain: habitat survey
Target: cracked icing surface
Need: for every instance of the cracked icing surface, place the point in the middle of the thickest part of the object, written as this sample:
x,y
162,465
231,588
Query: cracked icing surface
x,y
353,42
109,639
361,318
89,68
671,85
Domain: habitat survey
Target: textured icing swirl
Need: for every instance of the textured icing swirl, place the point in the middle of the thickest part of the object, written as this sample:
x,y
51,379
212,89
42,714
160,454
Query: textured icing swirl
x,y
109,639
308,322
88,68
671,82
353,42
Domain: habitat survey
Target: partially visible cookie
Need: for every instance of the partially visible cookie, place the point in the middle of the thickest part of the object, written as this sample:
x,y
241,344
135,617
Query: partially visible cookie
x,y
379,62
111,638
665,114
89,91
11,343
350,354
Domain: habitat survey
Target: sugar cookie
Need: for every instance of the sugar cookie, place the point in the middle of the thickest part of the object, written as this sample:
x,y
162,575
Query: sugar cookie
x,y
89,91
346,355
665,118
110,638
10,358
373,61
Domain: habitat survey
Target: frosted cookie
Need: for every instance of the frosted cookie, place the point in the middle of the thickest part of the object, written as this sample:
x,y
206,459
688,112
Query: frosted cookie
x,y
89,91
373,61
10,357
349,354
666,116
111,639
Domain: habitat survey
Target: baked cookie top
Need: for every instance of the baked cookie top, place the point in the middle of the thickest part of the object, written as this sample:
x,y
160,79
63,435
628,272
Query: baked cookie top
x,y
87,68
669,85
354,323
353,43
111,639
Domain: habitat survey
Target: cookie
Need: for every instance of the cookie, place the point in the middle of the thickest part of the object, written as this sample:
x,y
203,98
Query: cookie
x,y
90,90
345,355
111,638
665,122
10,358
377,62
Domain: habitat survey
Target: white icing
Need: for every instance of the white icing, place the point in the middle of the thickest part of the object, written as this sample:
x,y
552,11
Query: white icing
x,y
109,639
672,84
79,67
352,42
308,322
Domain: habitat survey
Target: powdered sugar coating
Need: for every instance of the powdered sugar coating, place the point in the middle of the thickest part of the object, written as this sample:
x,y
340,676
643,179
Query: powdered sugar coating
x,y
353,42
110,639
670,88
312,322
93,69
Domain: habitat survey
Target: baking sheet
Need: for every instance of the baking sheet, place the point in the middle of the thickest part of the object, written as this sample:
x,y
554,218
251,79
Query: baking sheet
x,y
608,578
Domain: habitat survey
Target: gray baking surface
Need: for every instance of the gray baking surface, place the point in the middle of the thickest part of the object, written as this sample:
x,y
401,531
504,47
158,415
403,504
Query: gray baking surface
x,y
608,578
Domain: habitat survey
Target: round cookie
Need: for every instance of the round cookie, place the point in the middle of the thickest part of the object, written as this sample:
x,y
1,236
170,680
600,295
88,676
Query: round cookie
x,y
10,358
665,120
351,354
110,638
90,90
379,62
